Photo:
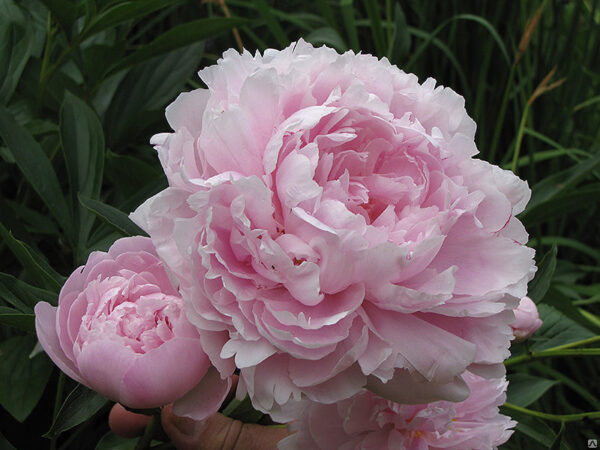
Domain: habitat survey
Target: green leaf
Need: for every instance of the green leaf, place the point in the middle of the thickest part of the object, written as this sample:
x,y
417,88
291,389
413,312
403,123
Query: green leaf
x,y
16,319
27,295
524,389
16,44
113,216
37,267
272,24
557,329
81,404
23,379
539,285
36,167
327,36
561,182
33,220
83,145
99,58
556,444
349,23
562,205
179,36
242,411
400,44
120,167
532,427
4,444
123,12
111,441
146,89
372,8
65,11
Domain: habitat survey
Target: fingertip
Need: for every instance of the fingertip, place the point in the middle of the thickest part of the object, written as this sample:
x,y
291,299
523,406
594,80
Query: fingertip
x,y
125,423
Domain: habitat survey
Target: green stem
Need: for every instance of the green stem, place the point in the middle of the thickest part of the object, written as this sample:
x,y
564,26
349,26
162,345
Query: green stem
x,y
502,114
552,353
554,417
57,403
592,318
531,355
519,139
149,433
577,343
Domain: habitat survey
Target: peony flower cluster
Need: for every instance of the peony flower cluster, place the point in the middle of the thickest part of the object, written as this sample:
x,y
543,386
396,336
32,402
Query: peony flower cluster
x,y
330,230
120,329
367,421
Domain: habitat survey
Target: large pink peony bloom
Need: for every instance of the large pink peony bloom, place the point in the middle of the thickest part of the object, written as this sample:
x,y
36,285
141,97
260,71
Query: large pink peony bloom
x,y
527,319
120,329
330,228
366,421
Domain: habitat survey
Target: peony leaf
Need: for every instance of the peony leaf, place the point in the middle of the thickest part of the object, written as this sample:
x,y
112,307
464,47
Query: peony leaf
x,y
539,285
36,168
16,319
349,23
524,389
82,141
178,37
16,42
81,404
531,427
36,265
111,441
145,90
399,46
112,216
272,24
372,8
64,11
560,182
556,444
562,205
243,411
5,444
123,12
23,379
23,296
557,329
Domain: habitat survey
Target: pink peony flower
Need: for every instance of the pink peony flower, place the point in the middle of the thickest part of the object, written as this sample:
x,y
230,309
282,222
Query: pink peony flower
x,y
366,421
330,229
527,319
120,329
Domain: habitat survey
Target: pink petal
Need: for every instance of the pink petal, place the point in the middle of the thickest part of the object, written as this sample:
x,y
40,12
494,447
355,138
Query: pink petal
x,y
164,374
45,327
205,398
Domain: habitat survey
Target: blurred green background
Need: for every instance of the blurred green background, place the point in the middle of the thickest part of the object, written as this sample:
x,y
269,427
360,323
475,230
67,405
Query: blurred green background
x,y
84,84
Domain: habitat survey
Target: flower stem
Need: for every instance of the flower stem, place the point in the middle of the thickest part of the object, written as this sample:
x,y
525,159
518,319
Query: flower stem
x,y
554,417
149,433
519,139
501,115
551,353
57,403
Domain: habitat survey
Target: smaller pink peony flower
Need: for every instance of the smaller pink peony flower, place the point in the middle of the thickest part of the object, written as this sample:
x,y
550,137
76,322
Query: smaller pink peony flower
x,y
527,319
367,421
120,329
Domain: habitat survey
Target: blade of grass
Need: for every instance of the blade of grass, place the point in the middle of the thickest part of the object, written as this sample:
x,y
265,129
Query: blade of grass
x,y
272,23
372,8
349,23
